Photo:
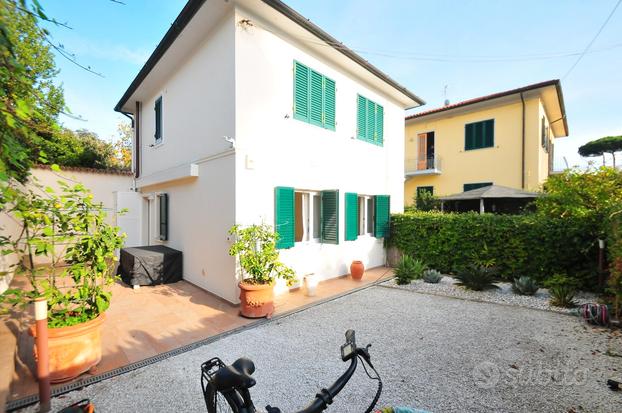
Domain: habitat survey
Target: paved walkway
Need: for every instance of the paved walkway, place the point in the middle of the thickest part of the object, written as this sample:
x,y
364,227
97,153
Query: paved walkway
x,y
151,320
435,353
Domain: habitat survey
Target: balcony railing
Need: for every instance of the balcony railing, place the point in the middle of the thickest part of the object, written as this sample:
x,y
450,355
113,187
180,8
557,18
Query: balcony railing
x,y
423,166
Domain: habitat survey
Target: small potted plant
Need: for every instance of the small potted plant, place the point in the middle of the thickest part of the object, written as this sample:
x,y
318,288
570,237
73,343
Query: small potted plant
x,y
69,231
255,248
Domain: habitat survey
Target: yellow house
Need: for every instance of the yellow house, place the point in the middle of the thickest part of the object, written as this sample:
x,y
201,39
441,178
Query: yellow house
x,y
506,139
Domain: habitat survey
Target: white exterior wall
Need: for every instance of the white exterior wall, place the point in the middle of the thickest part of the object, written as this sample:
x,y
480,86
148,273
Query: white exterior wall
x,y
197,111
274,149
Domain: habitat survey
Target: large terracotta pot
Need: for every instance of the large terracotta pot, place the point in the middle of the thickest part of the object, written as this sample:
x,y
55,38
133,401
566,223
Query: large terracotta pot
x,y
73,350
256,300
356,270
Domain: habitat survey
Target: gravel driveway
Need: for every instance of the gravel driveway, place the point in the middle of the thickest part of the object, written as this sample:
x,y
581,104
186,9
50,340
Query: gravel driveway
x,y
435,353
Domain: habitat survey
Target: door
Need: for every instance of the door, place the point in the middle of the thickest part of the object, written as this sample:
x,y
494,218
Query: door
x,y
430,150
422,151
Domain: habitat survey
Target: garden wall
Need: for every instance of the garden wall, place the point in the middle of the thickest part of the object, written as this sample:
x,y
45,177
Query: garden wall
x,y
530,244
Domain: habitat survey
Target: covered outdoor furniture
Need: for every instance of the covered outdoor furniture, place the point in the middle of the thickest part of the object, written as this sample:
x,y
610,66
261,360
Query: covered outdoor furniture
x,y
491,198
150,265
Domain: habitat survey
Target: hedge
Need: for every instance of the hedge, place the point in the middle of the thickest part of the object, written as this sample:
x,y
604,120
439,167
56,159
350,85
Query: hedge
x,y
529,244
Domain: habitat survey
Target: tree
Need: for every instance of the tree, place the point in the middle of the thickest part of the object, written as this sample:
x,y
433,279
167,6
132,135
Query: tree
x,y
599,147
123,146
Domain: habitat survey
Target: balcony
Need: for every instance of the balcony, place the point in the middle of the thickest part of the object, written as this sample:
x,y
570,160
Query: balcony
x,y
423,166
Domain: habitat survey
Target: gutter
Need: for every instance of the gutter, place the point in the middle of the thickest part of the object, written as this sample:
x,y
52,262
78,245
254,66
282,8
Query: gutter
x,y
522,99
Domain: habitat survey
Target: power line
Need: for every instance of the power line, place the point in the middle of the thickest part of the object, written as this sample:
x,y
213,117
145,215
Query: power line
x,y
593,40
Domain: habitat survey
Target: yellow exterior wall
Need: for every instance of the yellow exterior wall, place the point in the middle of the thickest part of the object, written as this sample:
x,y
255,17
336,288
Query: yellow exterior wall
x,y
500,164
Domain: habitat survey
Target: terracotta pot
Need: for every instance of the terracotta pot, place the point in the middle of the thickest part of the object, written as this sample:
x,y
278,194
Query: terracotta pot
x,y
73,350
356,270
256,300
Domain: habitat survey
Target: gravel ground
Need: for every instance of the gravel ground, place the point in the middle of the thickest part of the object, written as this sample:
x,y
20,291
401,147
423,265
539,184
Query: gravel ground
x,y
435,353
502,295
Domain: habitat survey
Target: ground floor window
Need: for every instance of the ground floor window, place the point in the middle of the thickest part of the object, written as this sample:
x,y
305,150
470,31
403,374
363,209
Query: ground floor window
x,y
366,215
307,216
470,187
422,189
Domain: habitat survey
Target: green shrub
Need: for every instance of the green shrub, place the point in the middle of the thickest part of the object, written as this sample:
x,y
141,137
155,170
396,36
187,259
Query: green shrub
x,y
432,276
525,286
409,269
518,244
477,278
562,290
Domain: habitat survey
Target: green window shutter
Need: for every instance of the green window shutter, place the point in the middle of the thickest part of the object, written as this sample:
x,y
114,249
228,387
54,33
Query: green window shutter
x,y
371,120
352,215
470,187
361,117
316,100
381,227
329,103
163,216
158,119
479,135
301,92
284,216
330,217
379,124
468,137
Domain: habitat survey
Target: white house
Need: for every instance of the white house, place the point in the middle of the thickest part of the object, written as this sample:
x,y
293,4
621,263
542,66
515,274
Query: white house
x,y
246,112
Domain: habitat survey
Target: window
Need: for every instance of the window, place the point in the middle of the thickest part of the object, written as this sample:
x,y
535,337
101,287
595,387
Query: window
x,y
307,210
369,121
366,215
314,97
158,120
544,131
306,215
479,135
470,187
425,151
422,189
163,216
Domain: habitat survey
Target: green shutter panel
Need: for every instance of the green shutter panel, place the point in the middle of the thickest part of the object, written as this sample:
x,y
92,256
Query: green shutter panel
x,y
284,216
489,139
381,227
361,119
316,100
371,120
301,92
163,216
330,217
468,136
329,103
158,119
352,216
379,124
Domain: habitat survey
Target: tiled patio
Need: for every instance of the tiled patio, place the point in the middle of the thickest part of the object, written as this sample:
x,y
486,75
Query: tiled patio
x,y
151,320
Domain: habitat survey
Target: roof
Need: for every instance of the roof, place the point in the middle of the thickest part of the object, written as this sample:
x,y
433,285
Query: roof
x,y
193,6
491,191
554,82
108,171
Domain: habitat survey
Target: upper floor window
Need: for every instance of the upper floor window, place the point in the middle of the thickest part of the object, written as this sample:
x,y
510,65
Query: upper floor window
x,y
314,97
369,121
158,120
544,131
479,135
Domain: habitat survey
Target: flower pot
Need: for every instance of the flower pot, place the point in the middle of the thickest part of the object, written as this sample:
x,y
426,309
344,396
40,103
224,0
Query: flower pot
x,y
73,350
311,283
356,270
256,300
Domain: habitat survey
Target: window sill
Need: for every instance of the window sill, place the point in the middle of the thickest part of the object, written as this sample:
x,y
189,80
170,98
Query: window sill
x,y
156,145
480,149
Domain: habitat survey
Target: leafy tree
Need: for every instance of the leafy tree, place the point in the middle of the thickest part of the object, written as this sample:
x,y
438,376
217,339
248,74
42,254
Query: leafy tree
x,y
123,146
599,147
426,201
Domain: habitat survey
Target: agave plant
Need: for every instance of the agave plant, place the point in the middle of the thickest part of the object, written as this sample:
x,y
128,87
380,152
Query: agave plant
x,y
409,269
562,295
524,285
477,278
432,276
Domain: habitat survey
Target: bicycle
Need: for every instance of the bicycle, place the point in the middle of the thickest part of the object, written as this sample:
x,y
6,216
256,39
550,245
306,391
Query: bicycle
x,y
226,388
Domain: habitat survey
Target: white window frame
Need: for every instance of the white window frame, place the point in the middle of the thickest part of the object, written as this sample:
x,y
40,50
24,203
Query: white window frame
x,y
365,215
308,222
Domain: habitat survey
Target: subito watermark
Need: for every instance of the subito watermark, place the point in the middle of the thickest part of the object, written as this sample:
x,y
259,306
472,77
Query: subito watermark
x,y
487,375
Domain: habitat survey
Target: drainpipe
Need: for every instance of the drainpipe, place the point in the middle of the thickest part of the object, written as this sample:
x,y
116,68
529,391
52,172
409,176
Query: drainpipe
x,y
522,99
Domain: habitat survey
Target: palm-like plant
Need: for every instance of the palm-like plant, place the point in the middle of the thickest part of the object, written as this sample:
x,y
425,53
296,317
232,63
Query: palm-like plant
x,y
409,269
477,278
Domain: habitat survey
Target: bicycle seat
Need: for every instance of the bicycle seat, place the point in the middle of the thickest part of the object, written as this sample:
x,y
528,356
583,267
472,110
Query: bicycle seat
x,y
237,375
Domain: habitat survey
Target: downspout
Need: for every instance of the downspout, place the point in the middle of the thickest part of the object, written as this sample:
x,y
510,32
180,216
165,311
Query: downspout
x,y
522,99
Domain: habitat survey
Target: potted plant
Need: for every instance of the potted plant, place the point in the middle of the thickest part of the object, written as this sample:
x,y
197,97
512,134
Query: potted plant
x,y
255,247
70,232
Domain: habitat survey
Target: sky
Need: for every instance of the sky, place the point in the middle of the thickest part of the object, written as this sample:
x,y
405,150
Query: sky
x,y
440,49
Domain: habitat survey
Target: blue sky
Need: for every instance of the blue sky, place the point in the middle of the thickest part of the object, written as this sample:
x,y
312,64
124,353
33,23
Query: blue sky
x,y
474,47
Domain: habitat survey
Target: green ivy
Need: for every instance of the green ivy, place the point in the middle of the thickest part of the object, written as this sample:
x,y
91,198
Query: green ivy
x,y
532,244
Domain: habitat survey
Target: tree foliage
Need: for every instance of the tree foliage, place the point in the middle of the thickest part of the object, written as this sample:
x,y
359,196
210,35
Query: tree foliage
x,y
608,144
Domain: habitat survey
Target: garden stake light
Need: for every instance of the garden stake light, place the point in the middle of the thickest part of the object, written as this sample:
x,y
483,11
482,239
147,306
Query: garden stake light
x,y
43,361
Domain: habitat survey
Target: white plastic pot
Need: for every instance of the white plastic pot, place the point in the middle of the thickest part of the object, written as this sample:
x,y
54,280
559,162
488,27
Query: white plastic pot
x,y
311,281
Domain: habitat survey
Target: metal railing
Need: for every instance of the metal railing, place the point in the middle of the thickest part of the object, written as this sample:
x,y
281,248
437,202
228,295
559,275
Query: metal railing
x,y
419,166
